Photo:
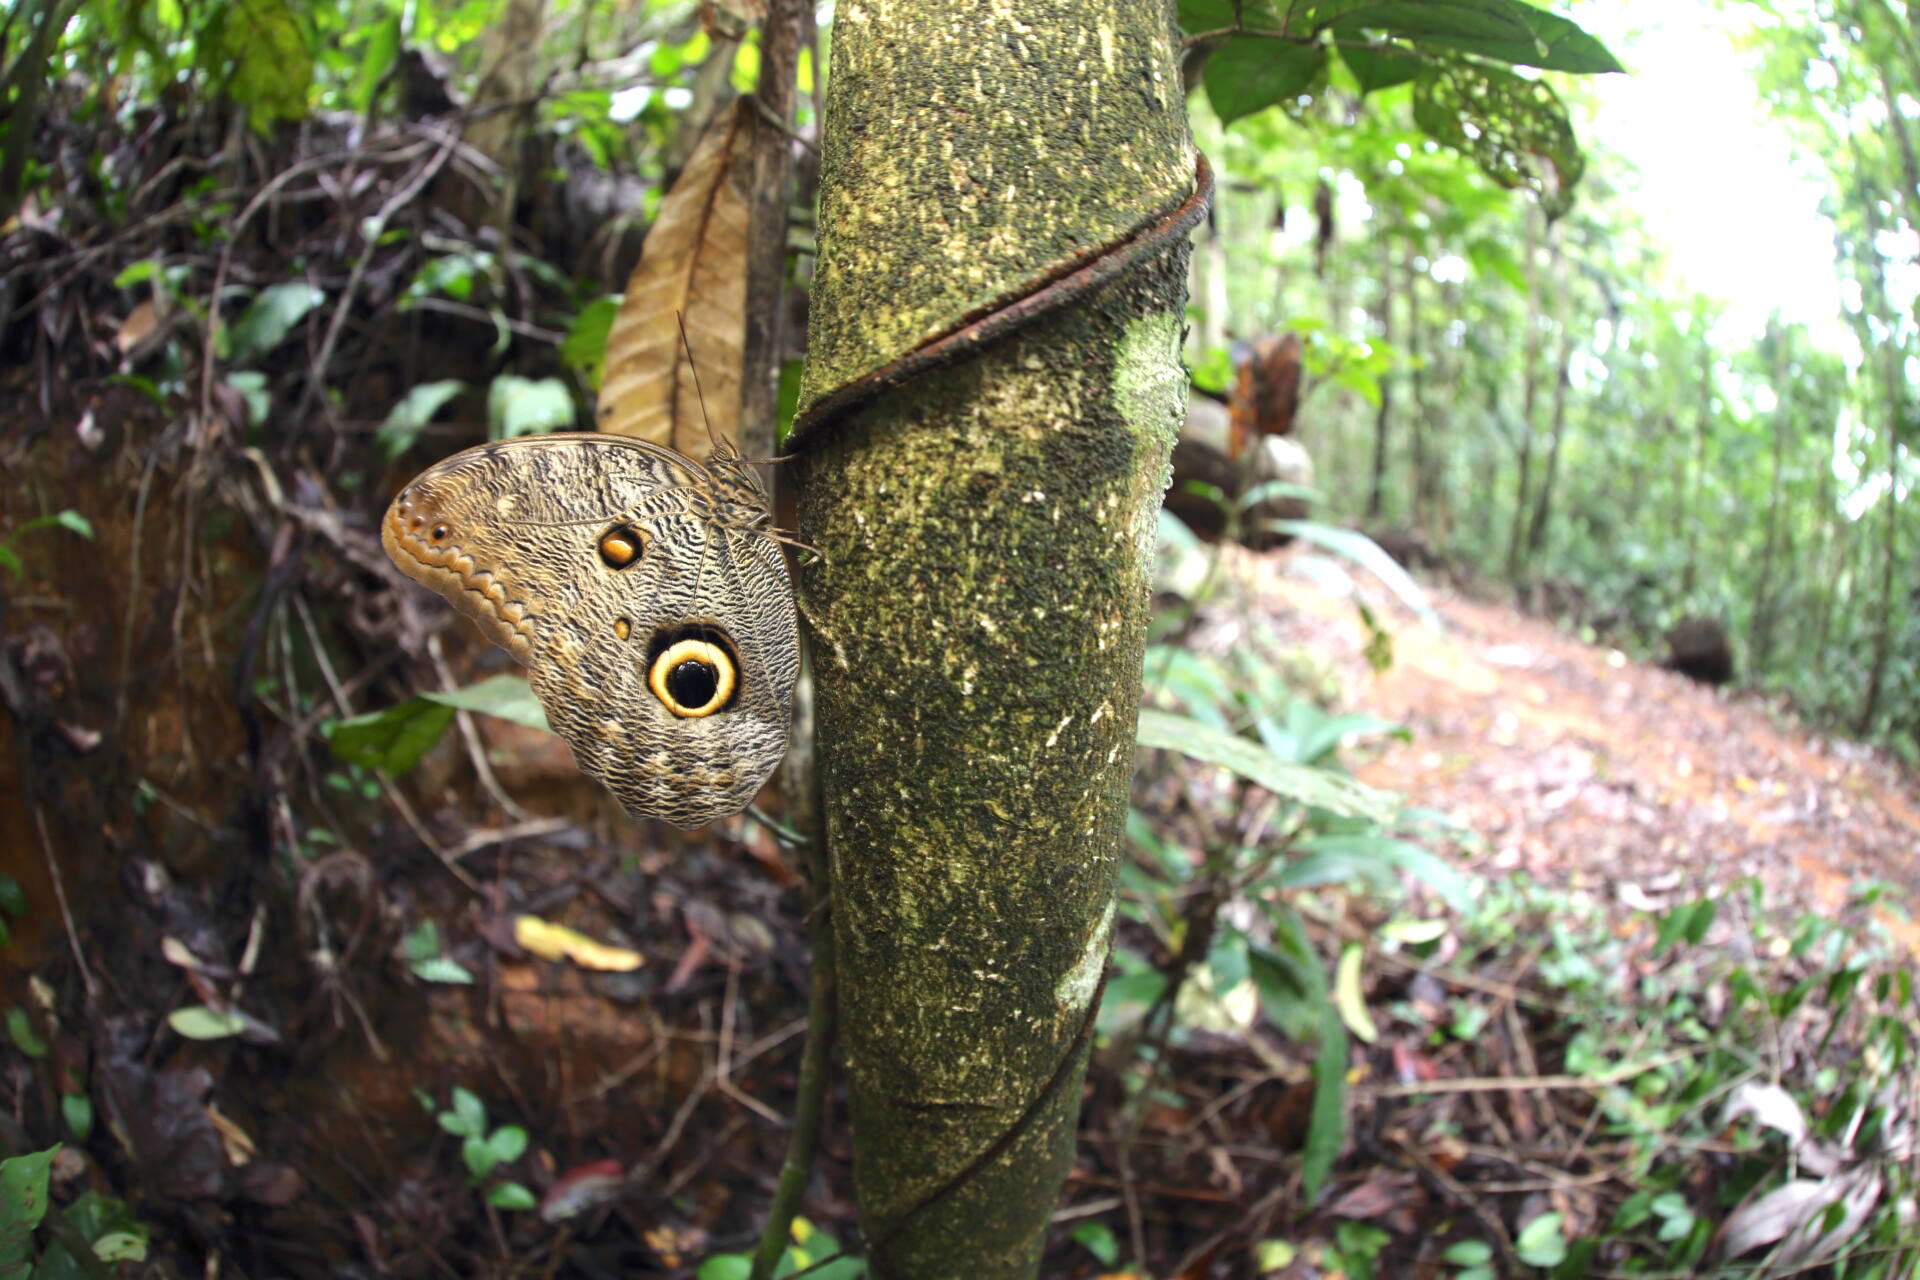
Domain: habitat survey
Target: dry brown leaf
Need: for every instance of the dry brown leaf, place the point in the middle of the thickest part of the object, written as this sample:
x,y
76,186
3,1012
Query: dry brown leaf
x,y
140,322
694,265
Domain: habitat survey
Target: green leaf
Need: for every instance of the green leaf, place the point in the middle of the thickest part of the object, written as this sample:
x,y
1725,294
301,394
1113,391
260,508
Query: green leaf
x,y
422,942
381,49
1339,859
442,969
511,1195
136,272
197,1022
1327,1125
1700,921
477,1156
272,63
13,898
1540,1243
1245,74
77,1109
1468,1253
252,386
1349,1000
1097,1239
270,317
585,346
509,1143
10,561
508,697
467,1105
519,406
1335,793
1289,977
392,740
726,1266
23,1202
1215,15
407,419
74,522
1515,129
1379,66
20,1031
1505,30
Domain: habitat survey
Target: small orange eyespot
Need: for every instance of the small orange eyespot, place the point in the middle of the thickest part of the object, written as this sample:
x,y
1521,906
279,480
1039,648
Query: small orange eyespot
x,y
621,545
417,521
622,628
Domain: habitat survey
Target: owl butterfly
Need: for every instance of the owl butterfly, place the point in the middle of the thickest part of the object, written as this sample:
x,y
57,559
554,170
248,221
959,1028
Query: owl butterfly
x,y
643,591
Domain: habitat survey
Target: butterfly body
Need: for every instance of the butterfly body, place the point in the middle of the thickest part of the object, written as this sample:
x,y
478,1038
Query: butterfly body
x,y
642,591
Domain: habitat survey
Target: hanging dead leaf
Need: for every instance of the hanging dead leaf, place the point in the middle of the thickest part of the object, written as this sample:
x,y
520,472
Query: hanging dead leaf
x,y
694,265
1266,392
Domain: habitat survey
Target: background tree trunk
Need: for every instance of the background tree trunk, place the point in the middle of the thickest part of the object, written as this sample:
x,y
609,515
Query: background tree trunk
x,y
1529,386
979,615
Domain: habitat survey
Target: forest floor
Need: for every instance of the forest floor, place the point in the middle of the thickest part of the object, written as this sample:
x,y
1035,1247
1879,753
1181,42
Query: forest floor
x,y
1589,770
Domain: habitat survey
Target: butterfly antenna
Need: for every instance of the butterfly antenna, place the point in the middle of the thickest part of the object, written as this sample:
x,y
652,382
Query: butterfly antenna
x,y
694,368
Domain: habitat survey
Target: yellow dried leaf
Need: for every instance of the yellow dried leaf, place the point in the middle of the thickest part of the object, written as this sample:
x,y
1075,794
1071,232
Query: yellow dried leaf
x,y
238,1143
1348,999
694,265
557,942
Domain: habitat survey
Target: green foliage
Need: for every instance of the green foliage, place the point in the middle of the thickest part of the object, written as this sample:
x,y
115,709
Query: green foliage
x,y
484,1151
269,56
1760,1061
519,406
73,522
813,1251
23,1203
392,740
410,416
427,959
1455,53
1515,129
103,1224
1246,713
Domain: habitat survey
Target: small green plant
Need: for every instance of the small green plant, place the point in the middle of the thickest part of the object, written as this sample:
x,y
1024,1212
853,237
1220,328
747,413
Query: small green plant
x,y
39,1239
70,520
812,1251
483,1151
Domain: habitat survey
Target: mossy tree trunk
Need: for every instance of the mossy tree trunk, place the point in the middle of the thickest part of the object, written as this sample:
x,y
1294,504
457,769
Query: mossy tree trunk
x,y
980,612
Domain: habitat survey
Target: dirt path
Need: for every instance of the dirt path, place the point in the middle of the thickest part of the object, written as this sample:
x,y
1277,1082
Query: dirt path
x,y
1583,768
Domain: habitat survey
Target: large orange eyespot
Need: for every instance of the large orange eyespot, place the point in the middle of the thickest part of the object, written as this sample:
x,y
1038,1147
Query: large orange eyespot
x,y
693,676
621,545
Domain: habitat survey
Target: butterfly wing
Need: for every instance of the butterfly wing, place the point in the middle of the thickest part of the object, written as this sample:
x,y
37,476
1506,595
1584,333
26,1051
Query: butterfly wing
x,y
663,647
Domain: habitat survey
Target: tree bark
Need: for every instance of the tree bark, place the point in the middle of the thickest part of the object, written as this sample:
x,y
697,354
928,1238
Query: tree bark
x,y
1383,416
979,612
767,241
1529,394
1543,502
1765,593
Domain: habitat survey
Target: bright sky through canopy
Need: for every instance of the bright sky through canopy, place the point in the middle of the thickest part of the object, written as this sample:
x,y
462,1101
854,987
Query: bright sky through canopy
x,y
1718,182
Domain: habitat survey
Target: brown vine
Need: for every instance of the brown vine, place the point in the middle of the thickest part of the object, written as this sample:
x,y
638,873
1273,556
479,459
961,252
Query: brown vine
x,y
1056,287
